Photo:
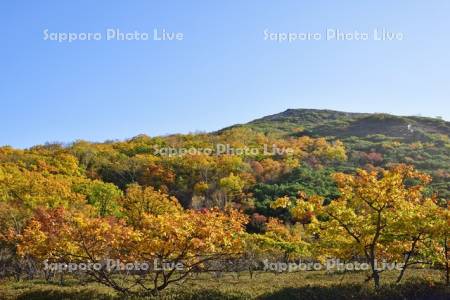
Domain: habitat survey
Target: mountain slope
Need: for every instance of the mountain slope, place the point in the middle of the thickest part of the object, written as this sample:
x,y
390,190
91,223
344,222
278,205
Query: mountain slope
x,y
343,124
375,139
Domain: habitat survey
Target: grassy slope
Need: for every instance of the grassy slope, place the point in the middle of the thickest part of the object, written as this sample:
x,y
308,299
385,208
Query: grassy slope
x,y
343,124
301,285
423,142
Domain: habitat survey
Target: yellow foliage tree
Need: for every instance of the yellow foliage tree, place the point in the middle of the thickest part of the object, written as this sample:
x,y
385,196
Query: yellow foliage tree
x,y
373,217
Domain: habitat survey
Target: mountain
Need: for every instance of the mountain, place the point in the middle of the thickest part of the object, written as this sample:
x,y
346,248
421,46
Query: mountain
x,y
377,139
315,122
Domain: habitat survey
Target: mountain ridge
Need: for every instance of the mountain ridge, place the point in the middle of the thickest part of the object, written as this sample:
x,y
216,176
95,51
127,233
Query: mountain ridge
x,y
325,122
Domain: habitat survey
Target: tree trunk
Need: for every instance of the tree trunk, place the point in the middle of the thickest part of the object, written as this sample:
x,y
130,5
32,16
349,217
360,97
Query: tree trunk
x,y
376,279
447,266
408,256
375,273
61,278
400,276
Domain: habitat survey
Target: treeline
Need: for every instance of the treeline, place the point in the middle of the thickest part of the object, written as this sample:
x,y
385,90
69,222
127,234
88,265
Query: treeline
x,y
90,202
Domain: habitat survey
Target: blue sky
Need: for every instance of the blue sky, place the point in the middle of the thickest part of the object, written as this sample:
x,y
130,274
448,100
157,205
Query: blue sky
x,y
223,72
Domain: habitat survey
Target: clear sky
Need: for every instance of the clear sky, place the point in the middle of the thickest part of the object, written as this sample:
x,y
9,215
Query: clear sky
x,y
223,71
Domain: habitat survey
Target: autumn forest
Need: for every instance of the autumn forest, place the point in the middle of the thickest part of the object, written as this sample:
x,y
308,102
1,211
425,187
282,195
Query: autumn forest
x,y
150,215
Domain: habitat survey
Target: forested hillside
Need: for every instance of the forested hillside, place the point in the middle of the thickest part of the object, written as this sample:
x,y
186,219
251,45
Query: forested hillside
x,y
303,184
371,139
223,169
